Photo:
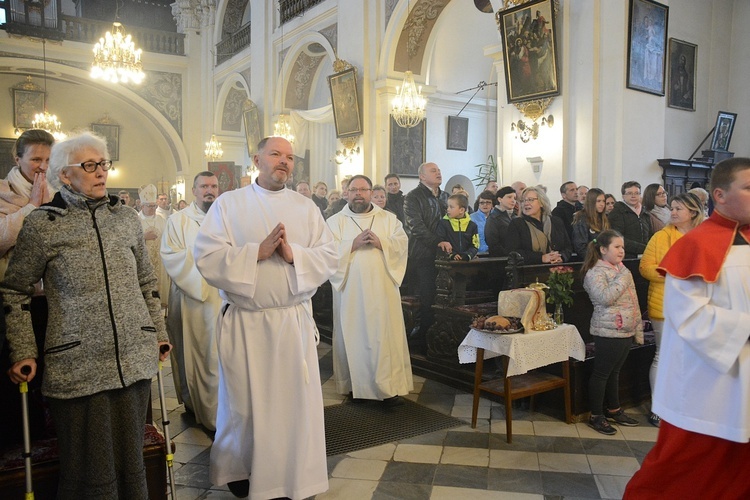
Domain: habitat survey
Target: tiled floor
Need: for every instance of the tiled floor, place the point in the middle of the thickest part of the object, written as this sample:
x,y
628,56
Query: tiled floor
x,y
548,459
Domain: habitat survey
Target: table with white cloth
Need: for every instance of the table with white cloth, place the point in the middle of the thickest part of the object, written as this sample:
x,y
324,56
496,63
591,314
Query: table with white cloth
x,y
522,353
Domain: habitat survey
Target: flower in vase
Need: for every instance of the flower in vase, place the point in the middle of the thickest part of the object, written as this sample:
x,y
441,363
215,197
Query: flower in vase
x,y
560,285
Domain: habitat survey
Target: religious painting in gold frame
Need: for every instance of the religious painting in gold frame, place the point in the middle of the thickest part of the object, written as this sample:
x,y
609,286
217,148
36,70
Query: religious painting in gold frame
x,y
530,51
345,102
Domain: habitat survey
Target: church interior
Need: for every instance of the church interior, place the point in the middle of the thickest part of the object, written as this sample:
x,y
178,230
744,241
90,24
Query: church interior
x,y
600,108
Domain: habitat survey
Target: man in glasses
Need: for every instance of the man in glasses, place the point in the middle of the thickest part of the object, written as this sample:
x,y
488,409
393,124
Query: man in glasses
x,y
631,220
370,353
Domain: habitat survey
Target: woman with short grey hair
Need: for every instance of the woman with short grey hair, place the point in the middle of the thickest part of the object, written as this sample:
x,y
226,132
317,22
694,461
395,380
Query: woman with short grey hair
x,y
538,236
105,326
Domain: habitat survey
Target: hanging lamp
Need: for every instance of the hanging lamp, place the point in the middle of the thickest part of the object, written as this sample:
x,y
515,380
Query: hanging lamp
x,y
408,107
47,121
116,59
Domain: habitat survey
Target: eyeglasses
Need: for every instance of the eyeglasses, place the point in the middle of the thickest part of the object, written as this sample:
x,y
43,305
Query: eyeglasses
x,y
529,200
90,166
359,190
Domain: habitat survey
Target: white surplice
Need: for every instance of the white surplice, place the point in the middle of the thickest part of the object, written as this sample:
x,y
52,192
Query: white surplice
x,y
193,312
270,419
370,353
156,225
703,382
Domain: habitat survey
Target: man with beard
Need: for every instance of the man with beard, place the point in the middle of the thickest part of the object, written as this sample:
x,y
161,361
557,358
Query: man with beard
x,y
370,354
268,249
193,307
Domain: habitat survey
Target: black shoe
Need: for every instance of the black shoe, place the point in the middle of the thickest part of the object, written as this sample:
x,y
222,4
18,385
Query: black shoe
x,y
599,424
393,401
240,489
654,420
620,418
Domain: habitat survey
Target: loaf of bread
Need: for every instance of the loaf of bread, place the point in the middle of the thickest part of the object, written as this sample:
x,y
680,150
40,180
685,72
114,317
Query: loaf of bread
x,y
497,322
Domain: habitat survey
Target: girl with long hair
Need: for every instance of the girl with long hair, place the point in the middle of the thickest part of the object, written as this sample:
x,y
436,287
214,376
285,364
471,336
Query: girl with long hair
x,y
590,221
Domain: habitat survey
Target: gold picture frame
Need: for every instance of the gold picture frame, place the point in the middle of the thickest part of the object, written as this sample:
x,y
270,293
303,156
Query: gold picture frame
x,y
251,119
345,102
111,134
26,104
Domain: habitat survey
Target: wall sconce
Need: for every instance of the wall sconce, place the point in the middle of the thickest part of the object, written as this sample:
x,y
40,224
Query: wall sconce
x,y
348,152
527,132
536,163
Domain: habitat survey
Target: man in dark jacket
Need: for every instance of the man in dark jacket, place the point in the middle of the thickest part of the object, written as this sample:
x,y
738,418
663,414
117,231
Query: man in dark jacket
x,y
568,206
394,197
424,206
631,220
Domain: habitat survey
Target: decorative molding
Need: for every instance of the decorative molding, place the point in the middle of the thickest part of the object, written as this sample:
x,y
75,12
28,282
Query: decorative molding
x,y
233,16
331,33
164,92
300,81
247,75
231,116
424,12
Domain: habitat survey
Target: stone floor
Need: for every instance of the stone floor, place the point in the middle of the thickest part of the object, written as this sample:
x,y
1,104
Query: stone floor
x,y
548,459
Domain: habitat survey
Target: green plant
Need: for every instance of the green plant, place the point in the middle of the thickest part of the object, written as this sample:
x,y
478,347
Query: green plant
x,y
486,172
560,285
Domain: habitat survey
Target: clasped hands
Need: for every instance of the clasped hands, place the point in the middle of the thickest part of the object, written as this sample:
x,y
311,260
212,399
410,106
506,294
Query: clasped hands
x,y
276,242
366,237
552,257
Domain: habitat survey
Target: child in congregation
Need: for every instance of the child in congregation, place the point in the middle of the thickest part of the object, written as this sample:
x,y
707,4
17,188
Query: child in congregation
x,y
459,234
614,324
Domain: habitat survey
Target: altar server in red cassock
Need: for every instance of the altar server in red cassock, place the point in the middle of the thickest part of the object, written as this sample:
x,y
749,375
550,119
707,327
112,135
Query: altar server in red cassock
x,y
703,381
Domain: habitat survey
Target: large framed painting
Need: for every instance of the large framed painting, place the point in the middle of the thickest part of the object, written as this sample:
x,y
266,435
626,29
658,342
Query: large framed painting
x,y
407,148
26,104
723,131
227,173
345,102
111,134
530,50
251,119
7,161
647,46
682,63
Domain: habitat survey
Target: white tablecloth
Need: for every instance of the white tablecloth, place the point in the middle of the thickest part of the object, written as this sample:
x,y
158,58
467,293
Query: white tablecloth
x,y
526,351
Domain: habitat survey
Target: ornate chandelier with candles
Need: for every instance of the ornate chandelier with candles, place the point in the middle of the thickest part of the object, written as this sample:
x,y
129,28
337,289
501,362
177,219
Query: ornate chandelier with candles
x,y
408,107
282,129
213,149
116,59
47,121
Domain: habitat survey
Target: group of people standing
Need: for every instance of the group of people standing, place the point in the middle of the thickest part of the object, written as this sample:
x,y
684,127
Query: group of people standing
x,y
240,316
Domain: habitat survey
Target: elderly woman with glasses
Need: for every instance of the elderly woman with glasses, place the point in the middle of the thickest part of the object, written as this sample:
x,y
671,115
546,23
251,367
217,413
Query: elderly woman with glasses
x,y
537,235
105,327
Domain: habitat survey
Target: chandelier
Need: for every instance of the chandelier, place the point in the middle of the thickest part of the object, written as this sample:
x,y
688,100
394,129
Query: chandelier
x,y
116,59
408,107
47,121
283,129
213,149
348,152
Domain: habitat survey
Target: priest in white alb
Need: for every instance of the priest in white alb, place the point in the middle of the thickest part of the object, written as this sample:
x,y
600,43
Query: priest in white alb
x,y
370,353
193,307
268,249
153,228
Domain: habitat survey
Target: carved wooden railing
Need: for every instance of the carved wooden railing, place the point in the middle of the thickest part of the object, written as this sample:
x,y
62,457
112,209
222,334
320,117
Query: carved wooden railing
x,y
293,8
232,45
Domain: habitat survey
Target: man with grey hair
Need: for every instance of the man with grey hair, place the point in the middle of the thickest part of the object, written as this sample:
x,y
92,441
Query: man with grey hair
x,y
702,195
193,307
424,206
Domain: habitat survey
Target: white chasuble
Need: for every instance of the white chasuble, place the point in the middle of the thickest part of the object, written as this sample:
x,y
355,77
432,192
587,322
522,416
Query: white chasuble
x,y
192,315
370,353
270,420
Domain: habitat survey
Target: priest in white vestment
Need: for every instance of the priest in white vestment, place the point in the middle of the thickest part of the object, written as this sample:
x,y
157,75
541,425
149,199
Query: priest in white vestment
x,y
153,228
370,353
193,307
163,209
268,249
